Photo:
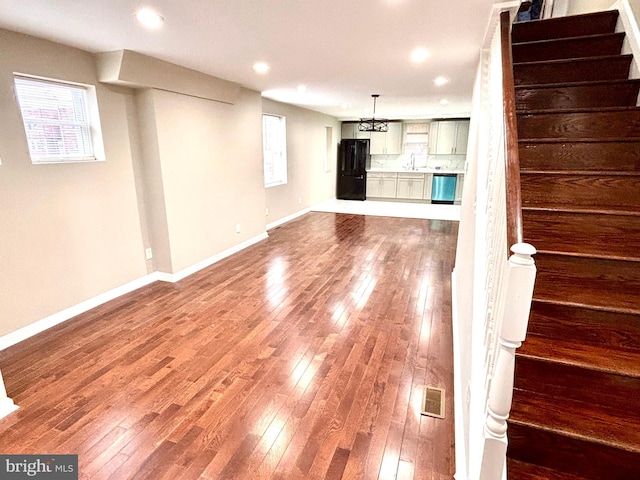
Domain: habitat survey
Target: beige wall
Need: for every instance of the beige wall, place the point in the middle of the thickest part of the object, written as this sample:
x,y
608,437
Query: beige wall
x,y
69,231
210,156
306,146
180,173
587,6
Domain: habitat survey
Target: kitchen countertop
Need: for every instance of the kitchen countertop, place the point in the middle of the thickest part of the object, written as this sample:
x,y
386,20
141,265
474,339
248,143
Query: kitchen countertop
x,y
419,170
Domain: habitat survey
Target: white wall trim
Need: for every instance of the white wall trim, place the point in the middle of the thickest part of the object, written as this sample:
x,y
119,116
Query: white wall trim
x,y
458,388
185,272
288,218
629,26
39,326
68,313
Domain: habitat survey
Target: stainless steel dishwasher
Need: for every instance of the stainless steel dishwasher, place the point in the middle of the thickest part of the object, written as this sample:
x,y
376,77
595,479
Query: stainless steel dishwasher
x,y
443,188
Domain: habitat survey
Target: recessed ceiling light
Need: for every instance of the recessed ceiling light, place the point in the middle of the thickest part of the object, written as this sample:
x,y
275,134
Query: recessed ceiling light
x,y
260,67
444,101
439,81
149,18
302,88
419,55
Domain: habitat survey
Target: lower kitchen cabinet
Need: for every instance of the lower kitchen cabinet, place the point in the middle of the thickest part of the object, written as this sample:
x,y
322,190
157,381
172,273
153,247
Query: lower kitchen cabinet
x,y
382,185
428,185
410,186
406,186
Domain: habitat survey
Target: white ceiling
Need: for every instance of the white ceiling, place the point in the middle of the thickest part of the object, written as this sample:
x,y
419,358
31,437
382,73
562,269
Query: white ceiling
x,y
342,50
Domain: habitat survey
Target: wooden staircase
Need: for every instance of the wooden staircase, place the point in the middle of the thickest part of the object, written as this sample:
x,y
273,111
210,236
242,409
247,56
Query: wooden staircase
x,y
576,406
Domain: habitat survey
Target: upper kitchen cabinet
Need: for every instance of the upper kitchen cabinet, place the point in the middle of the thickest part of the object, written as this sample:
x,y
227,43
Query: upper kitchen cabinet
x,y
449,137
350,130
387,143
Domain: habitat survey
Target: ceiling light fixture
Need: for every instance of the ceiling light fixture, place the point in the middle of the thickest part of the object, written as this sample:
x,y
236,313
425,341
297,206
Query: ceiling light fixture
x,y
302,88
373,124
444,101
149,18
260,67
419,55
440,81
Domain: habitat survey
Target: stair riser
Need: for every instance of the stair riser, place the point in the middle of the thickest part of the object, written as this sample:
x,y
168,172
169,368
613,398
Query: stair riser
x,y
610,68
586,233
592,327
574,456
562,27
601,125
556,380
588,281
568,48
583,96
598,156
587,191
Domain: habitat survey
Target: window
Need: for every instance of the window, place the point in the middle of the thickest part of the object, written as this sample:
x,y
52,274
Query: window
x,y
274,147
58,121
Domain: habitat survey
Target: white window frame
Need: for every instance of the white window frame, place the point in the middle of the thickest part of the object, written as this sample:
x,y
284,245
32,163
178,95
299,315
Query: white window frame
x,y
274,149
83,141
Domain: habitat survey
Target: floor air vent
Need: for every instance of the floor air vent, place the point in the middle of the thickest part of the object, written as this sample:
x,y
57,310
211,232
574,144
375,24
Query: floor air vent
x,y
433,404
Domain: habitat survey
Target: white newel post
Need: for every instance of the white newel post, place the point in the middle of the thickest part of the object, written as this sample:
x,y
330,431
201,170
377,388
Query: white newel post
x,y
6,404
520,280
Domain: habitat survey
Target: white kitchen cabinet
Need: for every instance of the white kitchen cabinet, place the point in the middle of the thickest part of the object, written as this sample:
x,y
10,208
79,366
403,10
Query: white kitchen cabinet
x,y
350,130
387,143
381,184
449,137
389,185
462,137
428,185
373,184
410,186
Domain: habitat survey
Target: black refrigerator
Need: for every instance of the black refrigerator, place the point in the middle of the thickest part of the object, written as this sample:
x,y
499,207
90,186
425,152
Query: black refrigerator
x,y
352,176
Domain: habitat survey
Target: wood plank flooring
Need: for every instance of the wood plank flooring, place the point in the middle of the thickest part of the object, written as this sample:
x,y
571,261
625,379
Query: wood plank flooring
x,y
303,356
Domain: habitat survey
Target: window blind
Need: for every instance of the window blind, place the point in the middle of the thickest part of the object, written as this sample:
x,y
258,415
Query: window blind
x,y
56,120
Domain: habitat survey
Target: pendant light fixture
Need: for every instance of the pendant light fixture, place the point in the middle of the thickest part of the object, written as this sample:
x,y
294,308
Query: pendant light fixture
x,y
373,124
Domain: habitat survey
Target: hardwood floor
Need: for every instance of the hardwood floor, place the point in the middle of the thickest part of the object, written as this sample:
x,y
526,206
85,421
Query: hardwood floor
x,y
303,356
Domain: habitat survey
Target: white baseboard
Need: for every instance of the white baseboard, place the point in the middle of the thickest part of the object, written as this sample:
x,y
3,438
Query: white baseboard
x,y
288,218
41,325
175,277
64,315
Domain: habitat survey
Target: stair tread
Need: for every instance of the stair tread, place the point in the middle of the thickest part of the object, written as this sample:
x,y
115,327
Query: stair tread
x,y
599,256
558,61
528,471
572,209
597,358
578,139
578,84
582,110
626,310
613,173
568,39
578,25
565,416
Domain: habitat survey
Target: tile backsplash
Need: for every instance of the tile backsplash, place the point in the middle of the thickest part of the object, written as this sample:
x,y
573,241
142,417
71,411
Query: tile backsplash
x,y
446,162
